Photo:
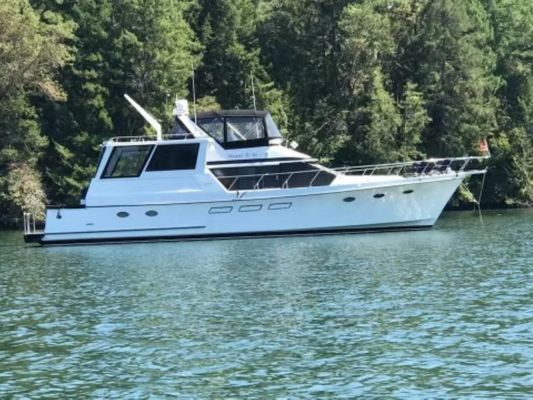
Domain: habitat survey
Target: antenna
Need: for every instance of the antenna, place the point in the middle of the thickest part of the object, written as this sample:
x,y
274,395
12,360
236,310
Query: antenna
x,y
194,94
147,116
253,90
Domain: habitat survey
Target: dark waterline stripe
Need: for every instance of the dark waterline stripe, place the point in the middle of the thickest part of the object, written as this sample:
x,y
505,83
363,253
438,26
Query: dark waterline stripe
x,y
127,230
229,236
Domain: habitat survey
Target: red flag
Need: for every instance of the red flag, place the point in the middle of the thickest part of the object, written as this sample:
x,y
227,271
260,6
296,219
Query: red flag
x,y
484,146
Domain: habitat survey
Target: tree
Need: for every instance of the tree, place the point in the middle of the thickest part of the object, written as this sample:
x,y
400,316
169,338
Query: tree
x,y
32,48
510,179
414,121
141,47
379,142
227,29
455,74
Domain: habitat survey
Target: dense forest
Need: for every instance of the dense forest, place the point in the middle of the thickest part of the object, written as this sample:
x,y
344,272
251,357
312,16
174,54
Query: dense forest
x,y
358,81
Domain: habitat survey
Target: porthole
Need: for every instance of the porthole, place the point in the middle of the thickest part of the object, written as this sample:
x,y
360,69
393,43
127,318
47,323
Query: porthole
x,y
379,195
123,214
408,191
151,213
348,199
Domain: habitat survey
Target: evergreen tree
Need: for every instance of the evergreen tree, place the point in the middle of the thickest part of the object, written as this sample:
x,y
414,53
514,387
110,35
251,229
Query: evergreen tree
x,y
144,48
455,65
510,178
380,135
32,47
414,121
228,30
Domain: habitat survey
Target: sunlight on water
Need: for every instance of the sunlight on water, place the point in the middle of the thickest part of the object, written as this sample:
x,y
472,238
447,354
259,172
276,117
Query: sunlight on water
x,y
445,313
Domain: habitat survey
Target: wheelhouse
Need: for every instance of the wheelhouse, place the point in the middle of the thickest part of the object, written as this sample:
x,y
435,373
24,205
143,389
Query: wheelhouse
x,y
131,160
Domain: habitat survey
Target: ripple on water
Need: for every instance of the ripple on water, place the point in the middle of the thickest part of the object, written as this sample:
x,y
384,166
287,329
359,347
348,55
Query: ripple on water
x,y
439,314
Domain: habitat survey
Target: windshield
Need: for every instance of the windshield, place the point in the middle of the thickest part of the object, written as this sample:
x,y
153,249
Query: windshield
x,y
214,127
245,128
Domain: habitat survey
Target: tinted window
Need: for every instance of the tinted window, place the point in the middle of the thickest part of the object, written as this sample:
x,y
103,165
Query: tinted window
x,y
174,156
273,131
245,128
180,130
100,158
127,161
214,127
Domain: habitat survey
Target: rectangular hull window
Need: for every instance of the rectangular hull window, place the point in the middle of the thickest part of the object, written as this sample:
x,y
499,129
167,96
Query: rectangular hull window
x,y
279,206
171,157
250,208
220,210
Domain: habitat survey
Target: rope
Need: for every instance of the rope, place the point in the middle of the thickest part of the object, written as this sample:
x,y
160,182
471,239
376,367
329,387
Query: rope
x,y
480,196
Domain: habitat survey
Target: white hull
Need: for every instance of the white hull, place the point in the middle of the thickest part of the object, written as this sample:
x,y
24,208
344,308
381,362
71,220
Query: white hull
x,y
410,203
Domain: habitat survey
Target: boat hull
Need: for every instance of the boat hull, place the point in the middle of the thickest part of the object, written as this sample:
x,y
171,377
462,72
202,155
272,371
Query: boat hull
x,y
410,205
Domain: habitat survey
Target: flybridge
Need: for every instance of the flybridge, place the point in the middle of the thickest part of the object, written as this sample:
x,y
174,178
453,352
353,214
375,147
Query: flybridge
x,y
231,129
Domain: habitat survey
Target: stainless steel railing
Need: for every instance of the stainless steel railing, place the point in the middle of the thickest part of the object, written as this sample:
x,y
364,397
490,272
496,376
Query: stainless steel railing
x,y
141,139
425,167
310,177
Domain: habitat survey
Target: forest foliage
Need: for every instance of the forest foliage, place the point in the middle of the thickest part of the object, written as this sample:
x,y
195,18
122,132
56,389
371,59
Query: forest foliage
x,y
358,81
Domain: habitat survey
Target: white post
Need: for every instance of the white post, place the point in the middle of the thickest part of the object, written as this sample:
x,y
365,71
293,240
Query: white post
x,y
253,90
194,95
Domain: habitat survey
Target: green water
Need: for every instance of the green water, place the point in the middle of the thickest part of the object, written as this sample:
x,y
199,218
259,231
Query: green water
x,y
446,313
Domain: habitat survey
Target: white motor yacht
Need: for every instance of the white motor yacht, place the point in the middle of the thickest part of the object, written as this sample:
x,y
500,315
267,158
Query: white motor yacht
x,y
228,174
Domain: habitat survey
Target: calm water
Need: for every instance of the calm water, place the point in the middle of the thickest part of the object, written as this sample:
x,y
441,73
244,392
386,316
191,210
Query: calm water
x,y
445,313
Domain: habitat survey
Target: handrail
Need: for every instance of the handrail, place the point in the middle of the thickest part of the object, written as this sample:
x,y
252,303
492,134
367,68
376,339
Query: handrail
x,y
426,166
29,223
135,139
429,167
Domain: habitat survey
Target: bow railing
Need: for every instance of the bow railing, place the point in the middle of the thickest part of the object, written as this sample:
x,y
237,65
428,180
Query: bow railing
x,y
140,139
409,168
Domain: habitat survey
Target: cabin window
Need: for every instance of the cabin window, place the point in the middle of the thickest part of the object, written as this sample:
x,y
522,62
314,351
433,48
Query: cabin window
x,y
245,128
214,127
180,131
126,161
100,157
272,129
170,157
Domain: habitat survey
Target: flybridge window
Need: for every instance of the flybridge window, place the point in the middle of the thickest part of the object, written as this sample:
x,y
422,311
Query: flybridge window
x,y
180,131
126,161
273,131
171,157
245,128
239,129
214,127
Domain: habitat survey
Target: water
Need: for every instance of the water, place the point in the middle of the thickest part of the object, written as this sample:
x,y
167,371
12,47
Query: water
x,y
445,313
